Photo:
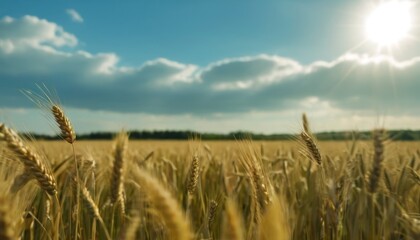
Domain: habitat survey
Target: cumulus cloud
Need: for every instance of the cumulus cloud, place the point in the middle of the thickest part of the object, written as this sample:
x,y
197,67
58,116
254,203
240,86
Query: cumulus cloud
x,y
31,32
74,15
31,52
247,72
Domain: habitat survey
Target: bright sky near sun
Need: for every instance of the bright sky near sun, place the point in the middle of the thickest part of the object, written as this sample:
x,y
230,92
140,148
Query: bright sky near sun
x,y
213,66
389,23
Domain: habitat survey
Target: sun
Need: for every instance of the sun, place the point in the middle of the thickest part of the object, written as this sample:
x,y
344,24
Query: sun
x,y
389,23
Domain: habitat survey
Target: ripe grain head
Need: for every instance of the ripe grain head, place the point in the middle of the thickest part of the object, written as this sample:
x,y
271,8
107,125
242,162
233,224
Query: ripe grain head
x,y
32,161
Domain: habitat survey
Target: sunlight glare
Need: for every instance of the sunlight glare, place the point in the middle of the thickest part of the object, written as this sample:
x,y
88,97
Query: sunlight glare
x,y
389,23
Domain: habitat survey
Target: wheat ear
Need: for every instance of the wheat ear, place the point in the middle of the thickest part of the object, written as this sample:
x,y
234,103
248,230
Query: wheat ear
x,y
93,209
91,205
193,175
257,180
378,157
30,160
67,132
117,187
312,147
305,123
166,205
211,213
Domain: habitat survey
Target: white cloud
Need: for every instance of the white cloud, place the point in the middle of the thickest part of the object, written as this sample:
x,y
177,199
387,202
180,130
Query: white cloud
x,y
31,52
32,32
75,16
247,72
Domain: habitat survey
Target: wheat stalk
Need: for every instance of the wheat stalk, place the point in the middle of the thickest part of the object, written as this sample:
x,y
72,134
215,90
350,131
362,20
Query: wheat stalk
x,y
30,160
68,134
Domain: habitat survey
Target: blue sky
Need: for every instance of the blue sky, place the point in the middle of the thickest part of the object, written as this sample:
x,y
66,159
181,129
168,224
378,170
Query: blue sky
x,y
213,66
201,32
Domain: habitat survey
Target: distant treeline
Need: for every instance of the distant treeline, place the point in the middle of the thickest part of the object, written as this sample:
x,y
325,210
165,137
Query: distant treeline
x,y
397,135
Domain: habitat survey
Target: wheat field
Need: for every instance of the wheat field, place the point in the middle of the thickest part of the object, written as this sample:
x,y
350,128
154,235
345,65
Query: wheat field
x,y
297,189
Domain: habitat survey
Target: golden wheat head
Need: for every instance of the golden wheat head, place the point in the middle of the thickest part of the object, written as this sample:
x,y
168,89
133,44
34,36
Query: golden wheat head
x,y
211,212
117,187
312,147
378,157
305,123
32,162
193,175
67,131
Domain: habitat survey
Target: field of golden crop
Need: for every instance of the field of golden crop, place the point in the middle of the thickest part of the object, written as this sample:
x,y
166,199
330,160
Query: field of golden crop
x,y
209,190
